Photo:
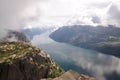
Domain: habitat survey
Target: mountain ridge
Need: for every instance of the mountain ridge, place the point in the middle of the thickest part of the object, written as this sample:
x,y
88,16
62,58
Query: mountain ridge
x,y
99,38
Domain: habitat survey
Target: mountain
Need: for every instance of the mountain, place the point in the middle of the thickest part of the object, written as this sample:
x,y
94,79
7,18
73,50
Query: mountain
x,y
22,61
31,32
99,38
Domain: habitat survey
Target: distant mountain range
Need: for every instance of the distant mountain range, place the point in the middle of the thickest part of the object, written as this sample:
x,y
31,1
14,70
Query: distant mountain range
x,y
99,38
30,32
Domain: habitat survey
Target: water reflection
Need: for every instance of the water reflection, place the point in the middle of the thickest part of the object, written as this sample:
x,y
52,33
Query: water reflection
x,y
86,61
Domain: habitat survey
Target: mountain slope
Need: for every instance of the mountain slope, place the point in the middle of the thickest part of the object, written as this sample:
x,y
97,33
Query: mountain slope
x,y
100,38
22,61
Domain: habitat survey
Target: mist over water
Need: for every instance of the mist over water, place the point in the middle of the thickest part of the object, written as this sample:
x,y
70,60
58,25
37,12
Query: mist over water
x,y
101,66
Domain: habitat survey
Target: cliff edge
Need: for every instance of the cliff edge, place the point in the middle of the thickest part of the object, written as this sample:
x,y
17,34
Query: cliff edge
x,y
22,61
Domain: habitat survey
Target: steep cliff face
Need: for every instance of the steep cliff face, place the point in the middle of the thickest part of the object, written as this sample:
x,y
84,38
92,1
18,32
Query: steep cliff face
x,y
22,61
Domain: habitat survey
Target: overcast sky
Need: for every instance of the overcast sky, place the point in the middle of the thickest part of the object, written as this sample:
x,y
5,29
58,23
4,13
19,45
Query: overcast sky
x,y
90,12
31,13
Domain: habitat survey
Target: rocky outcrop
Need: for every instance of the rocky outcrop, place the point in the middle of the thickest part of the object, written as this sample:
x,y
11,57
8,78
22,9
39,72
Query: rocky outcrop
x,y
72,75
22,61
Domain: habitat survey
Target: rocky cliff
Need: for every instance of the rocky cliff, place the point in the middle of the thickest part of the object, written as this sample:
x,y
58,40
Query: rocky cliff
x,y
72,75
22,61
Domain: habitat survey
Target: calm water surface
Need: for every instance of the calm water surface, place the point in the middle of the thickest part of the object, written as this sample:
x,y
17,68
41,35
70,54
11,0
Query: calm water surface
x,y
92,63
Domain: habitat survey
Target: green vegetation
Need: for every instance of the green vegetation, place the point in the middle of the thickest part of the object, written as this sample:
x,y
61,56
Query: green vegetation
x,y
9,50
17,52
99,38
56,73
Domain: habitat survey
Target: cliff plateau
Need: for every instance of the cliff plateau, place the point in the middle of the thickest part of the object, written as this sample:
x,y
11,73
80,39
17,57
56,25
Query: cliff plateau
x,y
22,61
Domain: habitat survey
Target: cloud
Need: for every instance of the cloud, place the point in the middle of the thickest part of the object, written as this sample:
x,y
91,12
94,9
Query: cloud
x,y
99,5
114,15
14,14
98,66
96,19
114,12
12,11
88,12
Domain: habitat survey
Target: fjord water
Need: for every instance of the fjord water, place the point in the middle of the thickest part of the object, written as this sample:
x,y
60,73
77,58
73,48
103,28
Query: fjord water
x,y
92,63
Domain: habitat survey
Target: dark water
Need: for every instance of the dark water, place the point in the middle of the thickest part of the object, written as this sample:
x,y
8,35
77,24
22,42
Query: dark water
x,y
102,67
